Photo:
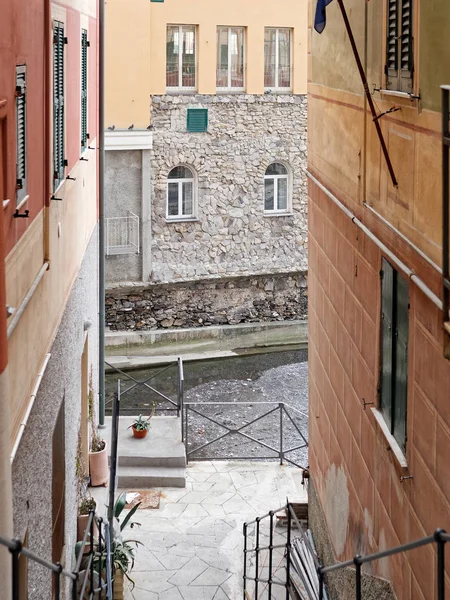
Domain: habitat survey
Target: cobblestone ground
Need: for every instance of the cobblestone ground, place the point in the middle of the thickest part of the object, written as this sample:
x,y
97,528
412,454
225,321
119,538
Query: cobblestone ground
x,y
235,403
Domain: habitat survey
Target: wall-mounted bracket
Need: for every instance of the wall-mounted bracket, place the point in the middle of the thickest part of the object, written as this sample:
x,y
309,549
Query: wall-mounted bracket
x,y
85,159
387,112
364,403
69,178
24,215
53,197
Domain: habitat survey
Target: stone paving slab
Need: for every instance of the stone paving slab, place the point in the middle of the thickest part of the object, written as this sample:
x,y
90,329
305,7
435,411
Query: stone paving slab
x,y
193,545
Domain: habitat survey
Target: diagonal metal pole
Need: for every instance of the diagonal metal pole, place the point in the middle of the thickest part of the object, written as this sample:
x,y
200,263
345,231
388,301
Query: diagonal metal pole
x,y
367,92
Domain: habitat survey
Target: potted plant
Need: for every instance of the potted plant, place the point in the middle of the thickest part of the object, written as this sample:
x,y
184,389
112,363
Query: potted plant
x,y
84,507
98,455
140,427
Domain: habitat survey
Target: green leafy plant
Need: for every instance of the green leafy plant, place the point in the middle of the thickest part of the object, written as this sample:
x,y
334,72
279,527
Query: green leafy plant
x,y
141,423
124,550
97,443
86,504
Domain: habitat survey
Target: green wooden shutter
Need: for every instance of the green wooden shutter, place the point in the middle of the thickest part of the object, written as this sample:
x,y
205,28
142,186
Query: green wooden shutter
x,y
399,46
58,103
387,310
406,48
401,359
84,88
197,119
21,134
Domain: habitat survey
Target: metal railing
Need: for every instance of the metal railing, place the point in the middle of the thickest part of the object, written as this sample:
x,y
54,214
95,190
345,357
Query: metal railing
x,y
285,413
96,562
165,403
446,213
314,583
122,235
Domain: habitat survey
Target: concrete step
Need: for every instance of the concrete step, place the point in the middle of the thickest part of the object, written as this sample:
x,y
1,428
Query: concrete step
x,y
163,457
149,477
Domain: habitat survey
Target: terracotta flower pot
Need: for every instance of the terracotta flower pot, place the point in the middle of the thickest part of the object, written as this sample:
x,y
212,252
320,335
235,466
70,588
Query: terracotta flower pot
x,y
98,467
82,522
139,433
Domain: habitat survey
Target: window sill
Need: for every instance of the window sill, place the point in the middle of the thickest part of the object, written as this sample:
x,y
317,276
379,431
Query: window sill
x,y
230,91
187,91
278,214
6,202
181,219
393,444
408,96
275,91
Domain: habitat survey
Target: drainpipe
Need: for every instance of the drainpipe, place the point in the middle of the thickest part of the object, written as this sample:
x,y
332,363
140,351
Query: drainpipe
x,y
101,216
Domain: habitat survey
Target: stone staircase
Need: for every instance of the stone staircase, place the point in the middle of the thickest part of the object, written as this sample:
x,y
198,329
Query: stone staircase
x,y
158,460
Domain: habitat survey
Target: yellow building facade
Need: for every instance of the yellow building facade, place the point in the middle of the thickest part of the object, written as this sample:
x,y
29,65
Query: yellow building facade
x,y
136,58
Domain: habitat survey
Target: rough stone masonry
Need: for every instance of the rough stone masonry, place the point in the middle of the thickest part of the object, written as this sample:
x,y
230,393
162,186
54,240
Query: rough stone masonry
x,y
231,234
232,244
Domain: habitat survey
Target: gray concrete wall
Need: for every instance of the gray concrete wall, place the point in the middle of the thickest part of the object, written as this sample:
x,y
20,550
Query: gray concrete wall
x,y
123,191
32,467
232,235
341,584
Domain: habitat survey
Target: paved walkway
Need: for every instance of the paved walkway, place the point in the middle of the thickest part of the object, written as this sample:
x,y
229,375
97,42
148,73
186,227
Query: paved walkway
x,y
193,545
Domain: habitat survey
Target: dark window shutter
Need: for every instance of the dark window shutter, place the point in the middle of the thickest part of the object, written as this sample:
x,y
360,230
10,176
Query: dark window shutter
x,y
197,120
401,359
84,87
21,134
387,310
58,103
399,46
406,48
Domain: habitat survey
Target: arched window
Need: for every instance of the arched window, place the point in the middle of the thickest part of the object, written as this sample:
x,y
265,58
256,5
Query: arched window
x,y
180,193
276,188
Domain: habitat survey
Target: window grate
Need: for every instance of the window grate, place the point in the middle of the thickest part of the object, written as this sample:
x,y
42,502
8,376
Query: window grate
x,y
122,235
197,120
399,46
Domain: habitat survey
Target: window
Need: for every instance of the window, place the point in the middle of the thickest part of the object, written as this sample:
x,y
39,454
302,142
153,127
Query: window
x,y
277,59
394,351
181,67
399,46
58,104
84,88
21,134
276,188
180,193
197,119
230,58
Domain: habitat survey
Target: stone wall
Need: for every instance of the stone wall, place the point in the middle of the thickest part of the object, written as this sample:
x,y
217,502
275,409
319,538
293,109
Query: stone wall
x,y
211,302
231,234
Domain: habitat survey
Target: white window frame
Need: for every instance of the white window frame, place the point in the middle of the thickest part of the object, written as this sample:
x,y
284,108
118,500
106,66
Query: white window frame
x,y
180,216
180,60
275,210
229,87
277,59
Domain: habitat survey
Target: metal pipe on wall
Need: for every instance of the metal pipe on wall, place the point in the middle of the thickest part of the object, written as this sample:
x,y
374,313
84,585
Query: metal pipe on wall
x,y
396,261
101,215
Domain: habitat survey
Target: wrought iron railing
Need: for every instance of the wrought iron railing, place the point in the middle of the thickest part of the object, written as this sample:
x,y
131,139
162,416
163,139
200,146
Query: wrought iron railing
x,y
96,562
163,402
286,413
264,573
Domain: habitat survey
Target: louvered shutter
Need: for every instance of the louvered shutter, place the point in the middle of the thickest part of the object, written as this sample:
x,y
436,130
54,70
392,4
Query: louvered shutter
x,y
21,134
197,119
84,83
399,46
406,48
58,103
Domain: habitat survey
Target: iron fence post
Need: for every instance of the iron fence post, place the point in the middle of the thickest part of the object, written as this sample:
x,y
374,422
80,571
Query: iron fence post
x,y
245,558
288,551
270,555
15,553
440,564
91,551
58,581
179,392
357,561
74,587
257,557
100,552
186,433
281,432
320,574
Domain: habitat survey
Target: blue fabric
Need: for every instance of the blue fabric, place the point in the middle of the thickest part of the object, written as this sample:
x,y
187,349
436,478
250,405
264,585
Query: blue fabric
x,y
320,19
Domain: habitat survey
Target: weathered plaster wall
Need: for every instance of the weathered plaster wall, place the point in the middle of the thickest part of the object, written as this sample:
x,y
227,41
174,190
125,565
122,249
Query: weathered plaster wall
x,y
231,235
214,302
123,192
32,467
